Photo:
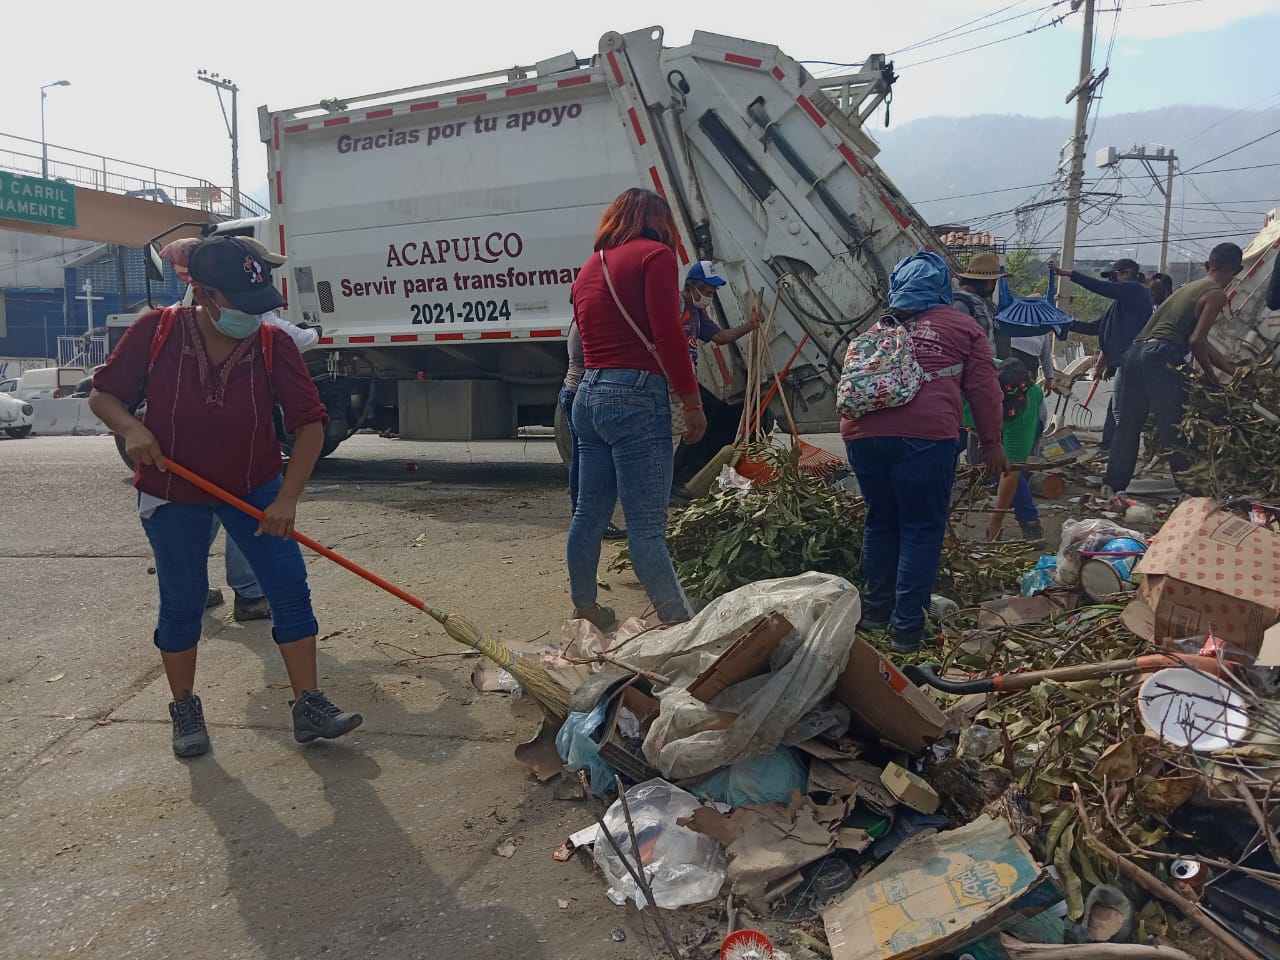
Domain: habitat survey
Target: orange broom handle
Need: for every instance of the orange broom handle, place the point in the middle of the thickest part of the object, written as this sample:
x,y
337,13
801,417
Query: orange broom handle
x,y
216,491
773,387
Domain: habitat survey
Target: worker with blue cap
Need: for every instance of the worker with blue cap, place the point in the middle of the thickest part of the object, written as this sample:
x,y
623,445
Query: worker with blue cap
x,y
700,285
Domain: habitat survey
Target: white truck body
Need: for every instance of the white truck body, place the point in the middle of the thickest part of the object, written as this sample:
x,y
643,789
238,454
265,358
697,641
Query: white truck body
x,y
435,232
1247,329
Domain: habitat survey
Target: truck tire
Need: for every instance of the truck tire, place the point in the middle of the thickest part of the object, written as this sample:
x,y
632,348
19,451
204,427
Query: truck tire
x,y
19,432
564,439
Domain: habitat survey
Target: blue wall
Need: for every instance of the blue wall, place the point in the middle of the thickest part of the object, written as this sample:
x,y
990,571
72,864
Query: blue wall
x,y
36,316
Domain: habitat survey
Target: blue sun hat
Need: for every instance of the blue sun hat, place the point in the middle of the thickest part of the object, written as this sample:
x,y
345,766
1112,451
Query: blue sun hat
x,y
1029,316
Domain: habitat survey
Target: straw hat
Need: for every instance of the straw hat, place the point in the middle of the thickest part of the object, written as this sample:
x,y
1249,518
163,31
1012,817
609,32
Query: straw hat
x,y
983,266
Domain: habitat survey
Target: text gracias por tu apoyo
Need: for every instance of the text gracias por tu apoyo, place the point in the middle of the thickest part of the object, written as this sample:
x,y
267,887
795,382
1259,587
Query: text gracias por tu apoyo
x,y
474,249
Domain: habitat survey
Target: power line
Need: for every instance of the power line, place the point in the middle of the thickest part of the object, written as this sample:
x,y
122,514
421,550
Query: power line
x,y
1252,166
1229,116
1242,146
985,193
990,43
953,34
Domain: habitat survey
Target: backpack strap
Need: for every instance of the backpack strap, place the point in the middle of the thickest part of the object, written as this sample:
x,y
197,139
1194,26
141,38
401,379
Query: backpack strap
x,y
952,371
168,317
268,344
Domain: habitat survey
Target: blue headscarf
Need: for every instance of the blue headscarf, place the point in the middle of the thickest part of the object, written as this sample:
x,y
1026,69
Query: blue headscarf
x,y
921,281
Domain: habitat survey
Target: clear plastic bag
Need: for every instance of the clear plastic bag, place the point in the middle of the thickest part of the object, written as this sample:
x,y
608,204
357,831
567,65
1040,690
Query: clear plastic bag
x,y
1078,535
682,867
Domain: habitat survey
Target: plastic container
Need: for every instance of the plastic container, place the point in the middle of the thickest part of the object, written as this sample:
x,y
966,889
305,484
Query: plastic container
x,y
1191,709
833,877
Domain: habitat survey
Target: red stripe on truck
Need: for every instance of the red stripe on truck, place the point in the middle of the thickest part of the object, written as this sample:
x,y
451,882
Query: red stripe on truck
x,y
495,334
521,91
847,152
743,61
404,338
282,239
472,98
574,81
546,333
777,72
684,254
811,110
279,187
897,214
424,105
617,71
296,128
378,114
635,124
336,121
363,338
657,181
326,340
449,336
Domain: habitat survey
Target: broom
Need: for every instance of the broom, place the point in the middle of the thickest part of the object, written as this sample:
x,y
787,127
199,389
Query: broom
x,y
533,679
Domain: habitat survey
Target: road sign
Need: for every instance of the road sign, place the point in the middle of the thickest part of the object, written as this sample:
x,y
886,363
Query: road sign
x,y
34,200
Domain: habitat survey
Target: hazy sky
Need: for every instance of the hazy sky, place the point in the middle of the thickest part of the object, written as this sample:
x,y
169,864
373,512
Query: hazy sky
x,y
134,95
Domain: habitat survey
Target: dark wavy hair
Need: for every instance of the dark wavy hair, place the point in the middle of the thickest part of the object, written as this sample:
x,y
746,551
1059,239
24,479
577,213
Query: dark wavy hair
x,y
637,213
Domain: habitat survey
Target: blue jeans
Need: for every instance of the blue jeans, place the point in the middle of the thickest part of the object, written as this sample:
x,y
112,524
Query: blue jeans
x,y
240,577
179,535
906,484
565,402
623,422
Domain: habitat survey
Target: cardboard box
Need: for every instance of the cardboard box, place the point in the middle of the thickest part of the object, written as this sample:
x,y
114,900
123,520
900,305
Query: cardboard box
x,y
885,704
938,892
747,656
1208,571
909,789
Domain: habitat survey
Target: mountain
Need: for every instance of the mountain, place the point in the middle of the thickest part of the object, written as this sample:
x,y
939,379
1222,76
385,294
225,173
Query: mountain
x,y
947,157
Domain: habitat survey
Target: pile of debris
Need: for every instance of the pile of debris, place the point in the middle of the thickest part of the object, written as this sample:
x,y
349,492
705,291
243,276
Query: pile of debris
x,y
1066,771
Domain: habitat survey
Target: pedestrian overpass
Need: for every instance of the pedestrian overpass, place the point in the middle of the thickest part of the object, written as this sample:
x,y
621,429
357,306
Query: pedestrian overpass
x,y
91,197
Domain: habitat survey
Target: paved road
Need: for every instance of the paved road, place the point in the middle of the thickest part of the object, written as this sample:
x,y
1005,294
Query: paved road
x,y
377,846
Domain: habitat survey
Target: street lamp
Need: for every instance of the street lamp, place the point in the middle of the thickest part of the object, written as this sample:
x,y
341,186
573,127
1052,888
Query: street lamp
x,y
221,83
44,144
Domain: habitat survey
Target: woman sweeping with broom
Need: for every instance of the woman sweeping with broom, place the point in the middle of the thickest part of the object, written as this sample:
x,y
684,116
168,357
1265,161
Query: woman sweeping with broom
x,y
626,302
212,373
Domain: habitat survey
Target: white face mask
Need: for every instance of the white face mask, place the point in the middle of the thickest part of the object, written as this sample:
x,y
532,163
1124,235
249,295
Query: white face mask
x,y
698,300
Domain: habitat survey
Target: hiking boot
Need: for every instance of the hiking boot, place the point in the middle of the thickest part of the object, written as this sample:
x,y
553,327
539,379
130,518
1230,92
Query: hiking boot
x,y
613,533
314,716
872,625
1032,530
190,738
603,618
251,608
214,599
680,497
907,642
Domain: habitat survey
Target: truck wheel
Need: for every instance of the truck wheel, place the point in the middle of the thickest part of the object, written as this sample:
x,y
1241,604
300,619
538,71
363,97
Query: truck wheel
x,y
19,432
564,439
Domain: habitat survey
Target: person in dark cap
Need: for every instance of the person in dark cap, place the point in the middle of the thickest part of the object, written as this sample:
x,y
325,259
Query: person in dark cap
x,y
212,374
1152,380
1128,313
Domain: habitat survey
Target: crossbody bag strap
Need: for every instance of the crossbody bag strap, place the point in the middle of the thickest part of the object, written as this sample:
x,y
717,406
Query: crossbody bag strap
x,y
952,371
648,344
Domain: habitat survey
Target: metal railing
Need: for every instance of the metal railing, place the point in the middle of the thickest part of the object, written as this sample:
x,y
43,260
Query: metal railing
x,y
82,351
97,172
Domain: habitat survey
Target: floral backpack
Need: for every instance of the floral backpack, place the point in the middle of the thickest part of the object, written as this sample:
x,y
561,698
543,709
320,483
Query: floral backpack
x,y
881,371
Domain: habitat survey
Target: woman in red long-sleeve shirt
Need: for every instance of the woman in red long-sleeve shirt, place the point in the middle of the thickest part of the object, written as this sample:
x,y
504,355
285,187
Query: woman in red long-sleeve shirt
x,y
626,303
212,374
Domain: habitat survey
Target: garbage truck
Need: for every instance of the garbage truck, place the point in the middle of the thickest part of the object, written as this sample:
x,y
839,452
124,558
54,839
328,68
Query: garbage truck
x,y
1249,330
434,232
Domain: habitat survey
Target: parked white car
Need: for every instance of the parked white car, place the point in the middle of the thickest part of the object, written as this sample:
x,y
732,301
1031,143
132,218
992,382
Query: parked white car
x,y
16,416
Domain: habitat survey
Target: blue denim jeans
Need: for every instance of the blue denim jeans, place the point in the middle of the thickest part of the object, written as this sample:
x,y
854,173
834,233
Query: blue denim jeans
x,y
179,535
565,402
240,577
623,422
906,484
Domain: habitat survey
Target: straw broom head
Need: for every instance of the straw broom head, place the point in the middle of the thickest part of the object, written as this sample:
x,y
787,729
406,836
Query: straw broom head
x,y
533,679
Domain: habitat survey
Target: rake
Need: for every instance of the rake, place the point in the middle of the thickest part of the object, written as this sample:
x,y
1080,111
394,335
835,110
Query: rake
x,y
534,680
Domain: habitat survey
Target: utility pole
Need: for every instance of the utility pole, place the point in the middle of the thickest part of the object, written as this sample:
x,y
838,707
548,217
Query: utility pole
x,y
232,122
1082,94
1109,157
88,299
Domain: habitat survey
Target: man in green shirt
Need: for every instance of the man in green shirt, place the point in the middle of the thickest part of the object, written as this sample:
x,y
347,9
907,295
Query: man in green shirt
x,y
1150,382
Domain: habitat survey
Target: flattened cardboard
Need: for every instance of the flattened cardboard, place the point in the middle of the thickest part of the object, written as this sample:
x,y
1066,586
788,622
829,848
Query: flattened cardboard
x,y
1211,571
885,704
938,892
910,789
746,657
